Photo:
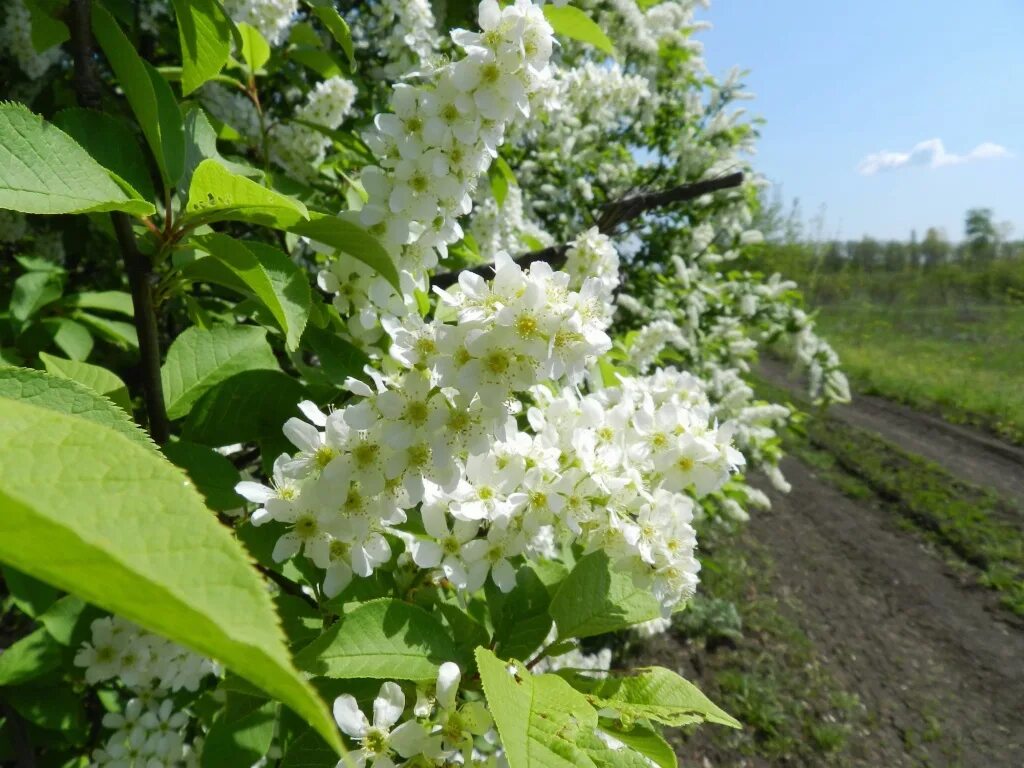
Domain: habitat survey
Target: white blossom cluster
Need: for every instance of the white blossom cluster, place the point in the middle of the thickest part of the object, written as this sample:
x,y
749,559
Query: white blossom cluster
x,y
299,149
611,469
647,27
16,41
576,141
439,728
402,32
271,17
432,147
147,734
592,255
150,731
140,660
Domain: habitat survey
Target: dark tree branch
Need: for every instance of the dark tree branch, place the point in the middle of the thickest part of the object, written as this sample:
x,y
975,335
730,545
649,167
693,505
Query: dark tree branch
x,y
137,265
612,215
286,585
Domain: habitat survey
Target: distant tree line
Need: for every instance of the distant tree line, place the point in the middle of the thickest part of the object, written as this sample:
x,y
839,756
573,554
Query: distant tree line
x,y
987,264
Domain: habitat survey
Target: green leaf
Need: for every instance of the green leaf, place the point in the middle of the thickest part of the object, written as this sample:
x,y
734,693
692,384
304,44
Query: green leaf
x,y
112,142
31,656
148,94
217,194
339,359
140,544
654,693
269,275
66,396
647,742
205,34
502,178
255,48
31,596
242,734
52,707
382,640
98,379
68,620
572,22
200,145
43,170
47,30
342,235
520,617
120,333
309,751
110,301
71,337
33,291
337,26
540,718
213,475
200,359
250,406
593,600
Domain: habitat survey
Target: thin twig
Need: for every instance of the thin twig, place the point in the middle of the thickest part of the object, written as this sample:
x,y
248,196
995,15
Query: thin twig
x,y
287,585
614,214
137,265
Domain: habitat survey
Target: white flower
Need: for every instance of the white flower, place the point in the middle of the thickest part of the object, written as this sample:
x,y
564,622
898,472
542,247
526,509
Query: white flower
x,y
381,740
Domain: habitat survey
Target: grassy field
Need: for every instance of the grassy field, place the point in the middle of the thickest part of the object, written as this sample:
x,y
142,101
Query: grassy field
x,y
965,362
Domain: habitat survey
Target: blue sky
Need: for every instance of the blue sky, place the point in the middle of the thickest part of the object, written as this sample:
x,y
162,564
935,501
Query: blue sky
x,y
840,81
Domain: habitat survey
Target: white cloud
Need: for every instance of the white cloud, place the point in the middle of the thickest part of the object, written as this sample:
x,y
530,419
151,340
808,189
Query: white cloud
x,y
928,154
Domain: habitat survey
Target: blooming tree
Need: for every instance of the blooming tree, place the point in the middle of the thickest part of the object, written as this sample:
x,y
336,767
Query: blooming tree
x,y
427,311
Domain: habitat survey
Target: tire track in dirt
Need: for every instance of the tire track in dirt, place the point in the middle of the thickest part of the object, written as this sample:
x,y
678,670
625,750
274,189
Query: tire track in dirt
x,y
967,453
941,675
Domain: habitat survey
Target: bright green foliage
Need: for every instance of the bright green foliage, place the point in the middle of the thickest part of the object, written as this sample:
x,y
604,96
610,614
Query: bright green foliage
x,y
66,396
262,271
594,599
217,194
94,377
571,22
205,33
647,742
141,543
382,639
200,359
149,95
540,718
43,170
111,301
255,48
654,693
33,291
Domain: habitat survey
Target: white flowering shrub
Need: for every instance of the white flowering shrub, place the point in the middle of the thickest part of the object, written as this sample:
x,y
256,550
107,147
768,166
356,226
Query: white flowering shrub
x,y
362,366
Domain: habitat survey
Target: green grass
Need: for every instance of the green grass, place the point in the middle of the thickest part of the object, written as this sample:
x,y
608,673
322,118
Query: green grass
x,y
965,362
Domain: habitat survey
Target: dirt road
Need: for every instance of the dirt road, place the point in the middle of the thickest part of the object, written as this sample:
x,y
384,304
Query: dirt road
x,y
964,452
940,672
